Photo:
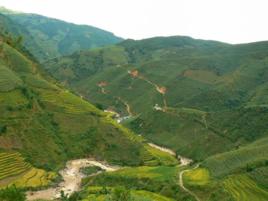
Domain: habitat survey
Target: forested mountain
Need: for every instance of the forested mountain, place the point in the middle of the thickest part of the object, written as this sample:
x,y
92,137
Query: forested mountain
x,y
48,38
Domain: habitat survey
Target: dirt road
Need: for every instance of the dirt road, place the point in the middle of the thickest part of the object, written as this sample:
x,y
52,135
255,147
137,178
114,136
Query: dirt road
x,y
182,184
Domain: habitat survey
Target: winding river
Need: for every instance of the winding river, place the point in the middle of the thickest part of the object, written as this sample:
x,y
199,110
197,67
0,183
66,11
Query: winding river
x,y
72,178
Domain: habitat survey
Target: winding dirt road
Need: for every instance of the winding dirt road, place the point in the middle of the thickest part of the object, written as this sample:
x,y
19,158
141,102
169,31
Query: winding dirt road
x,y
72,178
182,184
183,162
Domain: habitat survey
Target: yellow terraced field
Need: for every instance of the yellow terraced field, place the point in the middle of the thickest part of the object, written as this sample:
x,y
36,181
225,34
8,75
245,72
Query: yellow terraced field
x,y
199,177
34,178
12,164
243,188
14,170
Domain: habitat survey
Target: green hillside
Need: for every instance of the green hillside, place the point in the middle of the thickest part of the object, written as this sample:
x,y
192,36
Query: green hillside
x,y
211,96
205,100
48,38
49,125
246,158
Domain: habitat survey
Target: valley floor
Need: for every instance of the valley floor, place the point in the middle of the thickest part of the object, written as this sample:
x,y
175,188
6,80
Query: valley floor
x,y
72,178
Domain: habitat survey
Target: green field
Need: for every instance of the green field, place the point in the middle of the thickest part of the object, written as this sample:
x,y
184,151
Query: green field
x,y
159,182
95,193
199,177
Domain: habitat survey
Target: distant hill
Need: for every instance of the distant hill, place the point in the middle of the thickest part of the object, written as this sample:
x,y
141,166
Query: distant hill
x,y
197,97
48,38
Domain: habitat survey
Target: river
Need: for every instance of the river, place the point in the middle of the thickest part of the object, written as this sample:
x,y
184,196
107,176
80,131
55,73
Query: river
x,y
72,178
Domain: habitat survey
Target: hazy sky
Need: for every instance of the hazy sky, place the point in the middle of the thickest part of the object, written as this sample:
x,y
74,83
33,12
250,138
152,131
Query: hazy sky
x,y
233,21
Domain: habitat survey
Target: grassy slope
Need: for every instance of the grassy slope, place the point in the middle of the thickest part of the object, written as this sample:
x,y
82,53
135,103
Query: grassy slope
x,y
244,158
240,174
236,187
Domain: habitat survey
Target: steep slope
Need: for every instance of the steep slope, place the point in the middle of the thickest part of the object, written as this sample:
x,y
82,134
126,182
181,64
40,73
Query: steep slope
x,y
239,175
48,38
197,97
50,125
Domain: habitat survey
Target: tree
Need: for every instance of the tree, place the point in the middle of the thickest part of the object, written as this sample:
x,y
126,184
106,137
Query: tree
x,y
19,41
75,197
3,129
12,194
63,196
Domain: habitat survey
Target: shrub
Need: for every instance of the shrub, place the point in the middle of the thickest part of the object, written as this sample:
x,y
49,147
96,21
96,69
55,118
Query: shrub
x,y
12,194
3,129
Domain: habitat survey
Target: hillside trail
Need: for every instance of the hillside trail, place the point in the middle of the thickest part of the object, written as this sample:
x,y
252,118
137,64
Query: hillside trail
x,y
103,91
184,162
72,178
181,184
158,88
128,109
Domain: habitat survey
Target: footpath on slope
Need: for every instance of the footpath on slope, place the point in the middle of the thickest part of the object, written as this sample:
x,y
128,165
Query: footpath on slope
x,y
182,184
184,162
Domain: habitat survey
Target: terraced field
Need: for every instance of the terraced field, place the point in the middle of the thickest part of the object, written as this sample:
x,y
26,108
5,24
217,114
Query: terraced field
x,y
159,173
97,193
254,154
163,158
12,164
8,80
14,170
199,176
243,188
35,178
159,183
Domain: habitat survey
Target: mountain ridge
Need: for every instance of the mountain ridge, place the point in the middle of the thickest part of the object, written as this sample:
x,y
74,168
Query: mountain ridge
x,y
56,37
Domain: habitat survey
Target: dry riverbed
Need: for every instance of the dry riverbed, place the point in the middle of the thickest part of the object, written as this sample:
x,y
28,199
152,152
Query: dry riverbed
x,y
183,161
72,178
